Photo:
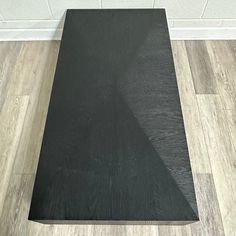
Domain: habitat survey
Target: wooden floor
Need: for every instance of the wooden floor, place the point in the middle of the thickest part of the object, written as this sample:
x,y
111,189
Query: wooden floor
x,y
206,72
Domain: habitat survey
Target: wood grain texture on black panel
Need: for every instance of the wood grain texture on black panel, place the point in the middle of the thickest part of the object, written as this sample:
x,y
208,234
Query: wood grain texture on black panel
x,y
114,147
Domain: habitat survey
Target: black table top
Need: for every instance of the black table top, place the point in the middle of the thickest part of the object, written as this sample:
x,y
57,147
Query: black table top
x,y
114,147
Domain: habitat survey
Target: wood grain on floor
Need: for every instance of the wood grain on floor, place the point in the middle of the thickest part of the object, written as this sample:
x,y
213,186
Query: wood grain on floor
x,y
200,64
206,79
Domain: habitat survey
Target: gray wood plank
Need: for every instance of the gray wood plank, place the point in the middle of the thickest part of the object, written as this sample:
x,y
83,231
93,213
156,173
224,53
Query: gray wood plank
x,y
202,73
210,216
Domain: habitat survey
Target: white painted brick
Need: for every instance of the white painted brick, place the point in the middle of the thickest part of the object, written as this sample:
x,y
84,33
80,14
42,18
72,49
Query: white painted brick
x,y
191,23
24,9
170,23
224,9
228,23
182,9
1,17
31,24
59,7
127,3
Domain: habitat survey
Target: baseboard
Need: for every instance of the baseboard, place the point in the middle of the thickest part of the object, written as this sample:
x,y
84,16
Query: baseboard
x,y
180,33
203,33
30,34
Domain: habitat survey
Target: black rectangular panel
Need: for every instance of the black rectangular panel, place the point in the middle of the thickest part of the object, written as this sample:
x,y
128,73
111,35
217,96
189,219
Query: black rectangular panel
x,y
114,148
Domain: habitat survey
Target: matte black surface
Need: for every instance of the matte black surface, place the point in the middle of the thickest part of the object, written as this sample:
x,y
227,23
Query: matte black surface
x,y
114,147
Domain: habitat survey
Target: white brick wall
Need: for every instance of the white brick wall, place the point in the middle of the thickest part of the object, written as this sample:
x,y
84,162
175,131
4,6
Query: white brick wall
x,y
182,9
223,9
58,6
127,3
24,9
39,19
